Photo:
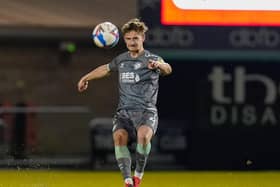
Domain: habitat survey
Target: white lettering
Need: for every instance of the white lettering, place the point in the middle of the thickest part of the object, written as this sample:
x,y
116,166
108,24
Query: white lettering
x,y
268,117
175,37
129,77
249,116
219,78
218,115
253,38
246,115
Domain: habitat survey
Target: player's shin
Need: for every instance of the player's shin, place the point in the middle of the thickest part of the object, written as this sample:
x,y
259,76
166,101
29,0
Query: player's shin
x,y
142,153
123,158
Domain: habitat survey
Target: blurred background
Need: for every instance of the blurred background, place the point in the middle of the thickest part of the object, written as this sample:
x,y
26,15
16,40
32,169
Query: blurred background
x,y
219,110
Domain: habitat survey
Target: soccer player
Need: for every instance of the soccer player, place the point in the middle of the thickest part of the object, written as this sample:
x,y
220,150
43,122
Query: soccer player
x,y
136,117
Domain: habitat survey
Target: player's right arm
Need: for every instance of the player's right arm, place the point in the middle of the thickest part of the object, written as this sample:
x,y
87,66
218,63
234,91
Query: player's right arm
x,y
97,73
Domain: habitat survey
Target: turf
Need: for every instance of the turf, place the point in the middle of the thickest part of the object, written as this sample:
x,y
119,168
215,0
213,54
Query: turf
x,y
54,178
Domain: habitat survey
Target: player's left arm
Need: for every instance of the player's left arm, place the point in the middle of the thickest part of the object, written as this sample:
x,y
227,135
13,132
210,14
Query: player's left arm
x,y
164,67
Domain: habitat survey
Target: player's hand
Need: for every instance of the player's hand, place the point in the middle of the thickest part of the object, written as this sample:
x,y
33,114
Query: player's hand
x,y
153,64
82,85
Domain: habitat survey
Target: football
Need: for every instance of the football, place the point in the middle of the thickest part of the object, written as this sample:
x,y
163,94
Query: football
x,y
105,35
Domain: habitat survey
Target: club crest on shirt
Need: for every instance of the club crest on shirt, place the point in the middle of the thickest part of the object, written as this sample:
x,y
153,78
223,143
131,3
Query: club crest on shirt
x,y
122,65
137,65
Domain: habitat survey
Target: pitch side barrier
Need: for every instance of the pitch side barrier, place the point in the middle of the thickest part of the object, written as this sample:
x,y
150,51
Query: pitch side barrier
x,y
23,143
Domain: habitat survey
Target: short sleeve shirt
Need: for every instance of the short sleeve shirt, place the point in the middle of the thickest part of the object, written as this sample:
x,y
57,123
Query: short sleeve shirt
x,y
138,85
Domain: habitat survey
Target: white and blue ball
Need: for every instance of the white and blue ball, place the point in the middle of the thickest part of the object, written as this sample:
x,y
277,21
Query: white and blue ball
x,y
105,35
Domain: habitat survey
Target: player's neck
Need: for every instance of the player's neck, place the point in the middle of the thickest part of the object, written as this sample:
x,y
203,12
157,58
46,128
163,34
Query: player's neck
x,y
135,54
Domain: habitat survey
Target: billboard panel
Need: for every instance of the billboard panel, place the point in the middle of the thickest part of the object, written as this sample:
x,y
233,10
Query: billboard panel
x,y
220,12
232,112
222,28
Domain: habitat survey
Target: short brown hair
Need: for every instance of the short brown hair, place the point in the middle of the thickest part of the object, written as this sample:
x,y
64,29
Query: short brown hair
x,y
134,25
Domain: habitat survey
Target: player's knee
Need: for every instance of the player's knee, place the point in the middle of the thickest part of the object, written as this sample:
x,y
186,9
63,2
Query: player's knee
x,y
144,137
120,137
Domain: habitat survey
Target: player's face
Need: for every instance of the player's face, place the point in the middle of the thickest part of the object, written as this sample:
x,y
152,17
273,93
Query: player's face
x,y
134,41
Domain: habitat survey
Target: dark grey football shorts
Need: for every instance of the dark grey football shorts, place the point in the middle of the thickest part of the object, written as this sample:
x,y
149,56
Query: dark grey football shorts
x,y
131,120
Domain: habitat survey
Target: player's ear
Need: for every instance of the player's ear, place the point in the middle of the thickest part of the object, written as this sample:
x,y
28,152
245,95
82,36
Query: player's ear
x,y
144,37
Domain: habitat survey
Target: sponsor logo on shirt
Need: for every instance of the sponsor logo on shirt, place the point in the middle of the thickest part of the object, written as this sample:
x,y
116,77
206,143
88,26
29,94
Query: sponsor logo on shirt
x,y
129,77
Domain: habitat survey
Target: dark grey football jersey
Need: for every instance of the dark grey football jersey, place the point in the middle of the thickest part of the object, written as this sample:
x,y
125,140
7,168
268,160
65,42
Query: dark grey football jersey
x,y
138,85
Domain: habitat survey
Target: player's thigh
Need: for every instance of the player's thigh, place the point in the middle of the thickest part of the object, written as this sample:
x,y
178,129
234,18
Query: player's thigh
x,y
123,129
150,119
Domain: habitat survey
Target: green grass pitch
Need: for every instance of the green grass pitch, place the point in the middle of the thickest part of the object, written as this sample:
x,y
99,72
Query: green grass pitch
x,y
57,178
